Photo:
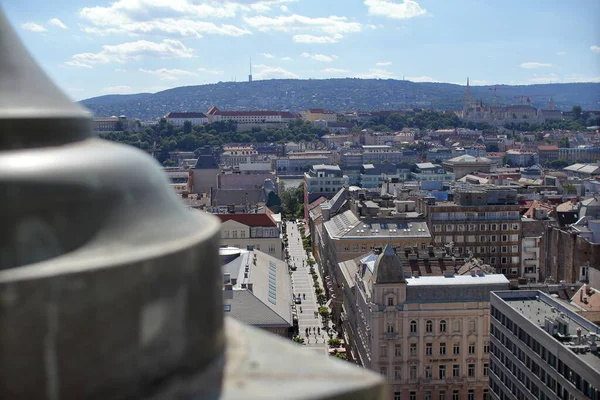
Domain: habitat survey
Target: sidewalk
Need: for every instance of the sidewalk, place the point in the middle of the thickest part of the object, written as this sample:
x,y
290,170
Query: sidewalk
x,y
302,283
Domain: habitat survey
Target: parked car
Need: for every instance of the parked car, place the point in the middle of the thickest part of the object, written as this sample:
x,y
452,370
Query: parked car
x,y
298,300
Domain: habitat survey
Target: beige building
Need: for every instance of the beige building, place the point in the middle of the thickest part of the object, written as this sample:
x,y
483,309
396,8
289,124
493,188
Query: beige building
x,y
428,335
319,114
257,231
467,164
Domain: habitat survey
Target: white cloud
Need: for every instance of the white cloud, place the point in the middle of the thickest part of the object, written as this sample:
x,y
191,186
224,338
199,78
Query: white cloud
x,y
561,53
77,64
267,55
595,49
268,72
373,26
384,64
211,71
335,71
320,57
317,39
376,73
132,50
117,89
533,65
171,26
581,78
421,79
386,8
57,22
286,58
291,23
33,27
284,9
168,74
120,70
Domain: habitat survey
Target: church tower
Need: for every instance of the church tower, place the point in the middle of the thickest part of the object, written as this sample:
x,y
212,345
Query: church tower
x,y
551,104
467,104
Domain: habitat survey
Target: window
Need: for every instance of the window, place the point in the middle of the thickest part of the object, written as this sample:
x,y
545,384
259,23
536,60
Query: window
x,y
428,395
428,348
482,238
442,326
486,347
504,227
456,370
471,325
493,227
390,301
413,372
486,367
471,370
234,234
456,325
456,349
227,307
383,350
226,234
398,350
486,394
243,234
442,349
413,396
390,327
413,326
455,395
383,371
442,372
413,349
471,395
442,395
428,373
271,248
429,326
397,372
397,396
471,348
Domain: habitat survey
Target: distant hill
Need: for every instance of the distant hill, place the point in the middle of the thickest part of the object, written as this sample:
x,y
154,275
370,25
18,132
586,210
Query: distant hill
x,y
335,94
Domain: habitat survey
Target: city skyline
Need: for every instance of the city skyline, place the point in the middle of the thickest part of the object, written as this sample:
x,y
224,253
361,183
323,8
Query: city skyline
x,y
94,48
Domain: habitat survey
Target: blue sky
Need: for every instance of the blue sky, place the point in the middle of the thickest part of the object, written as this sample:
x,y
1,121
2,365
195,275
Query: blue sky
x,y
99,47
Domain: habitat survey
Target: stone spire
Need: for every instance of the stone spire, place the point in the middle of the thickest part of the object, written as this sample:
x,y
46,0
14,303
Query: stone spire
x,y
467,96
551,104
388,267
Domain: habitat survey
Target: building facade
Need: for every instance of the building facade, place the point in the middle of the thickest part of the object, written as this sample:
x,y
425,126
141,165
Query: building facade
x,y
319,114
179,118
541,349
429,335
323,180
257,231
483,223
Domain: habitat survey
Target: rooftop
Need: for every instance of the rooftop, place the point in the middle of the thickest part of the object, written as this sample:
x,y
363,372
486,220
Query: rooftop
x,y
249,219
185,115
536,306
346,225
458,280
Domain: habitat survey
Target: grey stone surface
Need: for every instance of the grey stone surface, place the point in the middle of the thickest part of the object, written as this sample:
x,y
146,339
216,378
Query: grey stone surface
x,y
110,288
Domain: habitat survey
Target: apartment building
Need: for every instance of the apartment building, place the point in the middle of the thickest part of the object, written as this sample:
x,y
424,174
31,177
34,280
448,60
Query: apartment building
x,y
235,155
541,349
323,180
249,117
467,164
377,154
257,231
482,221
110,124
379,138
428,335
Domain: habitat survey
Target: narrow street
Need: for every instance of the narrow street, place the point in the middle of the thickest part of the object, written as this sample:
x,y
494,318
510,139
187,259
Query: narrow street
x,y
302,284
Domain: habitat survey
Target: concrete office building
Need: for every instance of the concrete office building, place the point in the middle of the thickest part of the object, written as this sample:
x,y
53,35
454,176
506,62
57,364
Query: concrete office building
x,y
428,335
541,349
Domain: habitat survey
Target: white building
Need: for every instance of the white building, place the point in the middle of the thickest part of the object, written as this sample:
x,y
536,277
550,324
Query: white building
x,y
250,117
258,231
179,118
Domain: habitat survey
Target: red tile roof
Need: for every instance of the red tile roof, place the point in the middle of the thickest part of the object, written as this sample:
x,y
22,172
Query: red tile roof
x,y
249,219
185,115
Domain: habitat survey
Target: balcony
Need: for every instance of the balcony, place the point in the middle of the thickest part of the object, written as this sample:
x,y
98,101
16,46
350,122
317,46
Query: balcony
x,y
390,336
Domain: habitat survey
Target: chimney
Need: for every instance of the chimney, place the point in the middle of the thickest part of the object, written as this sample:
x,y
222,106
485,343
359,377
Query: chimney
x,y
228,287
249,286
581,292
579,339
233,281
226,277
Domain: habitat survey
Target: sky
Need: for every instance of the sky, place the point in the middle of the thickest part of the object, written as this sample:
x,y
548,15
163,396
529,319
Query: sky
x,y
96,47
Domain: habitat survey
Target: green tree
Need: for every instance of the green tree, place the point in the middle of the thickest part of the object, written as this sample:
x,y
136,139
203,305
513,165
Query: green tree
x,y
187,127
334,343
577,110
324,312
340,356
298,339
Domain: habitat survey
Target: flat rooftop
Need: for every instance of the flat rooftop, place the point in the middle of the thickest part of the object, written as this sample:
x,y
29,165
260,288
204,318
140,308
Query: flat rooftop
x,y
526,304
458,280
